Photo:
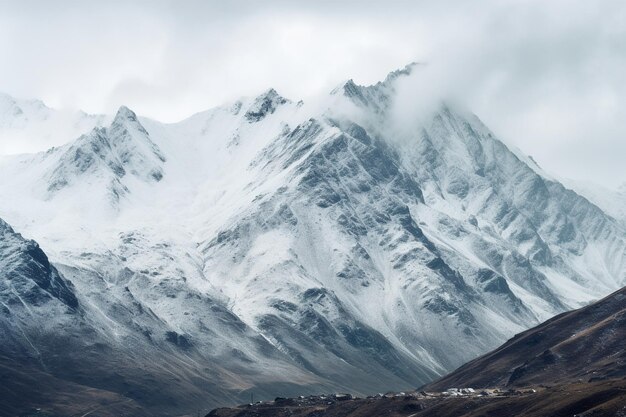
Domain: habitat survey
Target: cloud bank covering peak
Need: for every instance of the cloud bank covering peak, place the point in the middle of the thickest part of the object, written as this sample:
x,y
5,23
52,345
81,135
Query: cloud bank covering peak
x,y
548,77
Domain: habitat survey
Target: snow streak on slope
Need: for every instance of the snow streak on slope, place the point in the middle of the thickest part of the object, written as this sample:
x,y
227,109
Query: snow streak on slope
x,y
350,253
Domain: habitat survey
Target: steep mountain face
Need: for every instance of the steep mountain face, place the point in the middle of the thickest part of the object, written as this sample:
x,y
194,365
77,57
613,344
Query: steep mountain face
x,y
445,236
587,345
281,247
29,272
37,305
125,341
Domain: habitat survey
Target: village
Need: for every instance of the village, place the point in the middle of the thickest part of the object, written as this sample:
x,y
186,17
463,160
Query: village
x,y
450,392
413,401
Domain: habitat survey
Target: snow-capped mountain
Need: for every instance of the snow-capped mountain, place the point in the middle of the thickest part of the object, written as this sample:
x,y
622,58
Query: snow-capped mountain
x,y
108,155
278,247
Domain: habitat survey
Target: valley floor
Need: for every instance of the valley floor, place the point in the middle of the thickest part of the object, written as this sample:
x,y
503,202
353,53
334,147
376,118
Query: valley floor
x,y
597,399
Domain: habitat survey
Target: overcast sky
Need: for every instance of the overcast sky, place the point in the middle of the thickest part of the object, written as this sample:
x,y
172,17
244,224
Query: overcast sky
x,y
547,76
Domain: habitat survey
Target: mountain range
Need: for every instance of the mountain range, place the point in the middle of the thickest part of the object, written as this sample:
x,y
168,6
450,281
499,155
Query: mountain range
x,y
272,246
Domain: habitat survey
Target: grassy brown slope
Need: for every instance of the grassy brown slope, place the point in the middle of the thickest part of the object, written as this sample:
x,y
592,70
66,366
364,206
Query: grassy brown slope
x,y
32,389
588,344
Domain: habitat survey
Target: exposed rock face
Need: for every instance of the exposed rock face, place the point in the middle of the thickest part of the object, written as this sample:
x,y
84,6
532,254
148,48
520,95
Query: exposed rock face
x,y
28,277
264,105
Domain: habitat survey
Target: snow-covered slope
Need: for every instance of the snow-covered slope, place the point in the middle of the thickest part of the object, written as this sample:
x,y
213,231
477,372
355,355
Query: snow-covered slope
x,y
350,252
145,335
613,202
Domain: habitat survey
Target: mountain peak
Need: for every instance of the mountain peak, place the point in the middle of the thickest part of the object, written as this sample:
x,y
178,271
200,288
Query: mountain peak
x,y
375,96
407,70
133,144
270,93
351,89
124,113
5,227
125,119
264,104
122,148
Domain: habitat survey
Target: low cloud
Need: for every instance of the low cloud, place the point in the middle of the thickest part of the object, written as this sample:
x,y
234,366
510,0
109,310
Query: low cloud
x,y
548,77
